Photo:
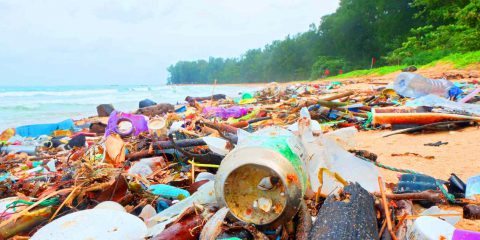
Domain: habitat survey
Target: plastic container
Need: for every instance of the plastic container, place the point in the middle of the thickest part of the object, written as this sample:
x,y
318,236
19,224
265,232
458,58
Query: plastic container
x,y
414,85
30,150
430,228
270,152
158,126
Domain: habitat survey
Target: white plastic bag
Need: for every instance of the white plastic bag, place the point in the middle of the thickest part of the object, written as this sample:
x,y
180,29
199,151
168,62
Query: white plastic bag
x,y
327,153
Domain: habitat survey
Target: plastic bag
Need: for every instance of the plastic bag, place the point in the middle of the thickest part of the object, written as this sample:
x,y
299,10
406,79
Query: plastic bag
x,y
327,153
436,101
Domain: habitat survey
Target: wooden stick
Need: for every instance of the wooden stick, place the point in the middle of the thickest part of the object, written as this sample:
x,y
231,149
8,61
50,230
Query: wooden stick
x,y
382,229
64,202
425,195
386,209
337,96
193,170
400,222
413,129
410,217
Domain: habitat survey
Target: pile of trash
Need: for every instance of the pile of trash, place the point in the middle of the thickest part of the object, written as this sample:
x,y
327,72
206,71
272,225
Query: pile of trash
x,y
274,164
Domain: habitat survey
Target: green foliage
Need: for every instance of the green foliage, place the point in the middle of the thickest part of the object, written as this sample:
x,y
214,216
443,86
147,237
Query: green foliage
x,y
459,60
439,12
470,14
334,65
371,72
362,29
286,60
400,32
454,28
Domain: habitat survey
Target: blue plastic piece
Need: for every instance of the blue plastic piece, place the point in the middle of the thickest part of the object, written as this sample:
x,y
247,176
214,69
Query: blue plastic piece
x,y
314,107
162,205
37,130
454,92
473,187
168,191
181,109
333,115
4,176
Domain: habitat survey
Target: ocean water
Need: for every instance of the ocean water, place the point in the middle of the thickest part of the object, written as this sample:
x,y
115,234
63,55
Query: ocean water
x,y
49,104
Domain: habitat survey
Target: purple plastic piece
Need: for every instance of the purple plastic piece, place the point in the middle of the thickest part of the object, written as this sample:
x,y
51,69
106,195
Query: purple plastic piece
x,y
459,234
225,113
139,123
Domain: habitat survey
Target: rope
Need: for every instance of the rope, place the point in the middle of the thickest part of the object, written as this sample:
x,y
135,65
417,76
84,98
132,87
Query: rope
x,y
447,195
368,122
44,203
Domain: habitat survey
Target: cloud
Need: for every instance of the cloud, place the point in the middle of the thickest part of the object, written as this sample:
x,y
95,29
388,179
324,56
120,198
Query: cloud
x,y
134,41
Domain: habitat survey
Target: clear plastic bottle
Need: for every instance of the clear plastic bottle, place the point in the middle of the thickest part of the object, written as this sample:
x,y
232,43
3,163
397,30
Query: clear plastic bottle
x,y
414,85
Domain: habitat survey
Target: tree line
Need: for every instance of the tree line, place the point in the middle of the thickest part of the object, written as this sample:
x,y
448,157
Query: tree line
x,y
360,31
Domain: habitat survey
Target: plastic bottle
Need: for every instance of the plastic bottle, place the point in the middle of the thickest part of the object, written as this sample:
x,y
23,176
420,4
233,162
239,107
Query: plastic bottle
x,y
473,188
30,150
414,85
430,228
168,191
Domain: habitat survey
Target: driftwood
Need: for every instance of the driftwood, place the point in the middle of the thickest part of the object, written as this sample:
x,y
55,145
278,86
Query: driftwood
x,y
413,129
155,110
338,96
471,211
220,127
208,158
180,143
198,99
431,196
350,217
161,145
258,119
386,209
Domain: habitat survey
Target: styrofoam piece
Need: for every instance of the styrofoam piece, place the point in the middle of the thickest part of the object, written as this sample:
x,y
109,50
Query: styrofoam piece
x,y
94,224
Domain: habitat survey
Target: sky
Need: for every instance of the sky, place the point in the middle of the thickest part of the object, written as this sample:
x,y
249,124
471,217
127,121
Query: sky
x,y
127,42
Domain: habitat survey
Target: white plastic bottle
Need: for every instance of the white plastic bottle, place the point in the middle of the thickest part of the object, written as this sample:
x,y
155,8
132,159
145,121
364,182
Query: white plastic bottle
x,y
414,85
